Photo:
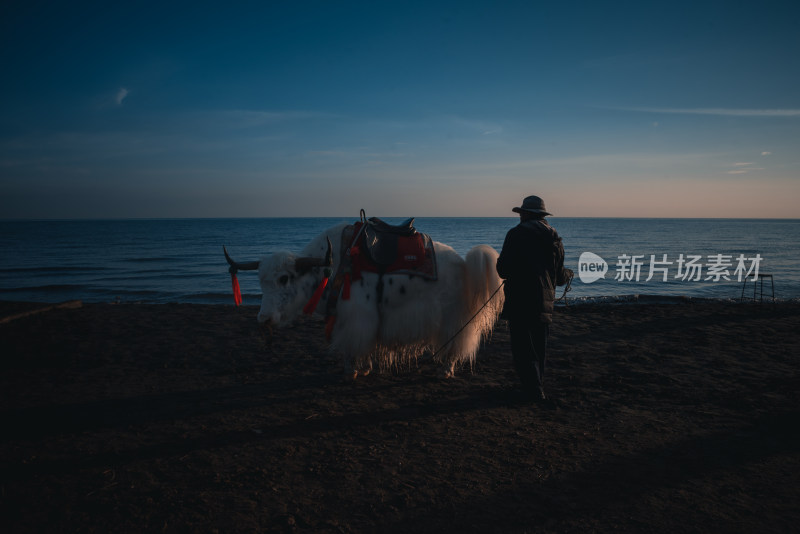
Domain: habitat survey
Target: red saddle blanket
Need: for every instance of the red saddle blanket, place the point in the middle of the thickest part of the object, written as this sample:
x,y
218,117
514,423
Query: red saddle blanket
x,y
397,254
370,249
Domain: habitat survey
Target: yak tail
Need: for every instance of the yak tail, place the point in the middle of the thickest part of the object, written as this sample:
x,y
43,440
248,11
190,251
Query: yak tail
x,y
482,291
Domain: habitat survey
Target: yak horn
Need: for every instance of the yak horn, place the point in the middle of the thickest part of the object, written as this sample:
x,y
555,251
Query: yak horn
x,y
236,266
302,265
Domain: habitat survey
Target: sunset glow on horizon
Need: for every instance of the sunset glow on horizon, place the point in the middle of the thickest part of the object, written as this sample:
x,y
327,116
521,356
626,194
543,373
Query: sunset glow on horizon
x,y
425,109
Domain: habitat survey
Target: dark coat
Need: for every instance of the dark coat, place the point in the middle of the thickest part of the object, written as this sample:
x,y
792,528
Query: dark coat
x,y
532,263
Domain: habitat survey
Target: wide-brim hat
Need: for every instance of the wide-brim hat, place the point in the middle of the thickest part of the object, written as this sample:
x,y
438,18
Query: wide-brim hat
x,y
532,204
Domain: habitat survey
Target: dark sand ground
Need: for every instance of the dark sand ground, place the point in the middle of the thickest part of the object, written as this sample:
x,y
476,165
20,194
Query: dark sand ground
x,y
176,418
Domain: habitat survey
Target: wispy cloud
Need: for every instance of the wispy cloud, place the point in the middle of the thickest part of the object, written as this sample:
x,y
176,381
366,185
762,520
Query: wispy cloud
x,y
729,112
744,168
766,153
361,155
326,153
243,118
484,127
121,95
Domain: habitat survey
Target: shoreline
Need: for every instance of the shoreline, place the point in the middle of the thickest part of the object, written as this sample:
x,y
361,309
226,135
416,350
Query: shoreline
x,y
624,299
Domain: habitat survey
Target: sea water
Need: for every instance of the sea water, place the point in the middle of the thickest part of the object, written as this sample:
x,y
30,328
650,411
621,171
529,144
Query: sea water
x,y
181,260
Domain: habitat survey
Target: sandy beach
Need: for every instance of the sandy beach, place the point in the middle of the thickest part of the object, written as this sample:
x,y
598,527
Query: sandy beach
x,y
181,418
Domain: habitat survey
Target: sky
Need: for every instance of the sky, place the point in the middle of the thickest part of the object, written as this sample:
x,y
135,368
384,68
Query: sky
x,y
452,109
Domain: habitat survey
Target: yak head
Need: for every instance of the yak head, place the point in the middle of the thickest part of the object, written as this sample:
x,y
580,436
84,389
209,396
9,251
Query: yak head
x,y
287,282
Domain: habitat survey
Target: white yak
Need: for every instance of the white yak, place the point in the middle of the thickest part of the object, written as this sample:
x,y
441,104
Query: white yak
x,y
414,314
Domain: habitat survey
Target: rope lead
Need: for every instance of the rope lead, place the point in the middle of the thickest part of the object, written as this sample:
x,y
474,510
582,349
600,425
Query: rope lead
x,y
570,275
567,287
471,319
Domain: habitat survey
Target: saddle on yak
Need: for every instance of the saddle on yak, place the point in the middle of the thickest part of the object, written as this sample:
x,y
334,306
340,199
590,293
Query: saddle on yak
x,y
375,246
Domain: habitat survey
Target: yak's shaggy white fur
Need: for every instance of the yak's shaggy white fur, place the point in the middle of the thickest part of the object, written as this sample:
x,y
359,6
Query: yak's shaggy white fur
x,y
414,315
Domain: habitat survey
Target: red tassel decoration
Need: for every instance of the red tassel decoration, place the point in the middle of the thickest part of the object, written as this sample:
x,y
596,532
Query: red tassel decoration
x,y
237,292
329,326
346,289
309,308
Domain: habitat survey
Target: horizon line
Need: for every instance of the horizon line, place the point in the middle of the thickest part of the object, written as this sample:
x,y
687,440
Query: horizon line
x,y
165,218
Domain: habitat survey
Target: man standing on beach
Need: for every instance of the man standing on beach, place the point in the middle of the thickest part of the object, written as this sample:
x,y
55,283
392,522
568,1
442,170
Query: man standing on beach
x,y
532,263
